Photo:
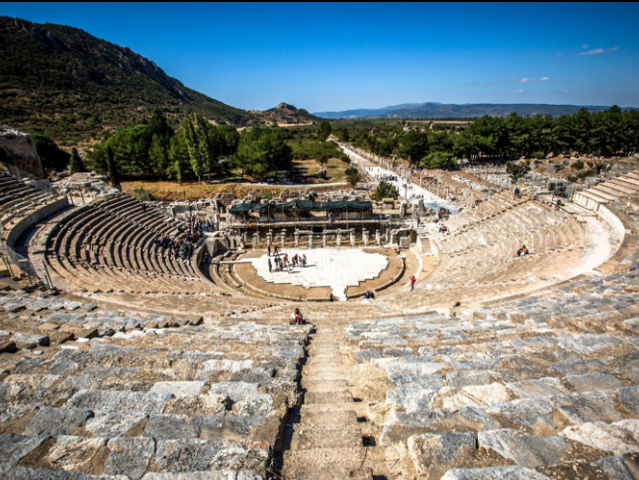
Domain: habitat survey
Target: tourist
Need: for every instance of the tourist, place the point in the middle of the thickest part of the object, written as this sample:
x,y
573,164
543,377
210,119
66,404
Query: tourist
x,y
268,249
304,260
275,250
517,193
412,283
297,317
367,295
270,266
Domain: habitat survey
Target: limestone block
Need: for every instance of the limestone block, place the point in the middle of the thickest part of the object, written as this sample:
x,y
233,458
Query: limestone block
x,y
178,389
434,454
586,407
71,452
594,381
629,398
105,401
531,412
114,424
25,340
15,447
168,427
459,379
236,391
528,451
129,456
542,387
617,438
614,468
57,421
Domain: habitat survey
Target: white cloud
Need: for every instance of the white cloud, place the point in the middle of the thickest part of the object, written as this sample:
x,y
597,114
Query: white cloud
x,y
528,80
521,90
598,51
584,46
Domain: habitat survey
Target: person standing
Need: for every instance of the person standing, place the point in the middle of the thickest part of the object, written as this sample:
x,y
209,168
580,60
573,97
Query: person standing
x,y
270,266
412,283
268,249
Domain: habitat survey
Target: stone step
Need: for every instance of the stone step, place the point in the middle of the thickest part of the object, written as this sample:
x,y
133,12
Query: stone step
x,y
310,436
326,376
328,397
324,385
326,464
328,419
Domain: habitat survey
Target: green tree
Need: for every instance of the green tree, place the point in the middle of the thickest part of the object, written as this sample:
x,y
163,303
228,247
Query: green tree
x,y
76,162
440,159
385,190
262,153
193,147
517,169
413,146
114,175
324,130
53,158
353,177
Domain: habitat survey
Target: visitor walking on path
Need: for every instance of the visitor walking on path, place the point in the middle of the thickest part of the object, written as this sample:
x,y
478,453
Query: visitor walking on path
x,y
275,250
412,283
268,249
270,266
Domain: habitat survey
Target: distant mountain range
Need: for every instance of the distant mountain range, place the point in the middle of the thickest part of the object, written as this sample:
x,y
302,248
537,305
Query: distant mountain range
x,y
468,110
72,86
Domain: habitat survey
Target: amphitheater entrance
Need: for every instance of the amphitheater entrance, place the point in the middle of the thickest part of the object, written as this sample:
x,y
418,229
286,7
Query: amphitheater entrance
x,y
338,272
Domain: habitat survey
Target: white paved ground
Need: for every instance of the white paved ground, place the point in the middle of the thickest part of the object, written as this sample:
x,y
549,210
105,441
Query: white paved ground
x,y
337,268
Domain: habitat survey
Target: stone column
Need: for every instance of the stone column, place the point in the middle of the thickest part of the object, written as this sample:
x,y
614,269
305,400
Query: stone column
x,y
352,238
269,239
324,239
283,236
365,237
297,239
338,240
257,234
245,238
378,238
255,240
310,241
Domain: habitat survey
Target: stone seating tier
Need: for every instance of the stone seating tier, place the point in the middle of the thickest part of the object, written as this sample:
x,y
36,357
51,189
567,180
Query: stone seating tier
x,y
89,391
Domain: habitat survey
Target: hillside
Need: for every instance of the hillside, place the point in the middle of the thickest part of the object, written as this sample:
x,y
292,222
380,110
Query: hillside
x,y
285,114
70,85
470,110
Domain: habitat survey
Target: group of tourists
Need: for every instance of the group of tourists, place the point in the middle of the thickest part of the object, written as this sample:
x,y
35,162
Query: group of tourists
x,y
522,251
283,263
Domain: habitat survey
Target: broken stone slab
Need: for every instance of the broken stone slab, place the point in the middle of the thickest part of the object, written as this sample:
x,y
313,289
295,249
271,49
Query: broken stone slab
x,y
14,448
594,381
401,425
617,438
63,367
629,398
204,404
259,404
528,451
110,424
107,401
129,456
365,356
193,455
79,331
26,365
531,412
178,389
494,473
168,427
588,343
432,382
614,467
11,411
541,387
57,421
236,391
579,366
30,341
72,452
411,398
414,368
212,366
39,386
586,407
434,454
465,378
482,396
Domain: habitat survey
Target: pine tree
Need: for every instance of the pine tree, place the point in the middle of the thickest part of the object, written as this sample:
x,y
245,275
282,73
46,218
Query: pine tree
x,y
193,147
114,176
76,162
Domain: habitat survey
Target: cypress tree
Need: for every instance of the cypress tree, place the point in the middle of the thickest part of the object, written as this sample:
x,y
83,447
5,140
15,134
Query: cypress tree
x,y
114,176
76,162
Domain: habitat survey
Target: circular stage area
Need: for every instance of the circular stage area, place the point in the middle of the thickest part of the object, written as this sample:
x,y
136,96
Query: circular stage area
x,y
337,271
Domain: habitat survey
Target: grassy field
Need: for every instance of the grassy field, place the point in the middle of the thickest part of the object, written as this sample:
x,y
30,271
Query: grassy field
x,y
171,191
308,169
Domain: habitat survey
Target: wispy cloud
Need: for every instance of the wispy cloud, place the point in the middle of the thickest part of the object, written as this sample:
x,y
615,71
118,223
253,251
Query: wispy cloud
x,y
598,51
529,80
521,90
490,84
584,46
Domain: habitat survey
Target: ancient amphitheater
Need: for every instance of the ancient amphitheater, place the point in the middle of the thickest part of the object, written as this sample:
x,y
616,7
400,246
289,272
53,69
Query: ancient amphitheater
x,y
141,364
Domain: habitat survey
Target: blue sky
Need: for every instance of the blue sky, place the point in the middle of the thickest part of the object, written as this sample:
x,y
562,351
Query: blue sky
x,y
341,56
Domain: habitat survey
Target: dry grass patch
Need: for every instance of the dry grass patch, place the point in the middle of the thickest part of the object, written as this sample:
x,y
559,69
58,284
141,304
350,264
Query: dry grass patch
x,y
171,191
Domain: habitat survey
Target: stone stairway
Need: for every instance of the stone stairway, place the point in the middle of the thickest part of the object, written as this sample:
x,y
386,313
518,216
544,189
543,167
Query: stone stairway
x,y
324,437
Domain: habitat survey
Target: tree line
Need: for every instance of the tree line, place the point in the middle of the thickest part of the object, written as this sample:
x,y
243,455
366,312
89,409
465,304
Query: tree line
x,y
607,133
156,151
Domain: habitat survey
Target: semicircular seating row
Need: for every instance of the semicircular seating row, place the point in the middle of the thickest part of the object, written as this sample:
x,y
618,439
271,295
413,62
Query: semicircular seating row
x,y
480,249
112,245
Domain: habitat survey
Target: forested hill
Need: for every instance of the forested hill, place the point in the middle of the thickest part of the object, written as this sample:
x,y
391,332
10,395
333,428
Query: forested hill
x,y
63,82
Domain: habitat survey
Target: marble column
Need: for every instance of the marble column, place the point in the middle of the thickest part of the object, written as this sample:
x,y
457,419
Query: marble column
x,y
310,241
